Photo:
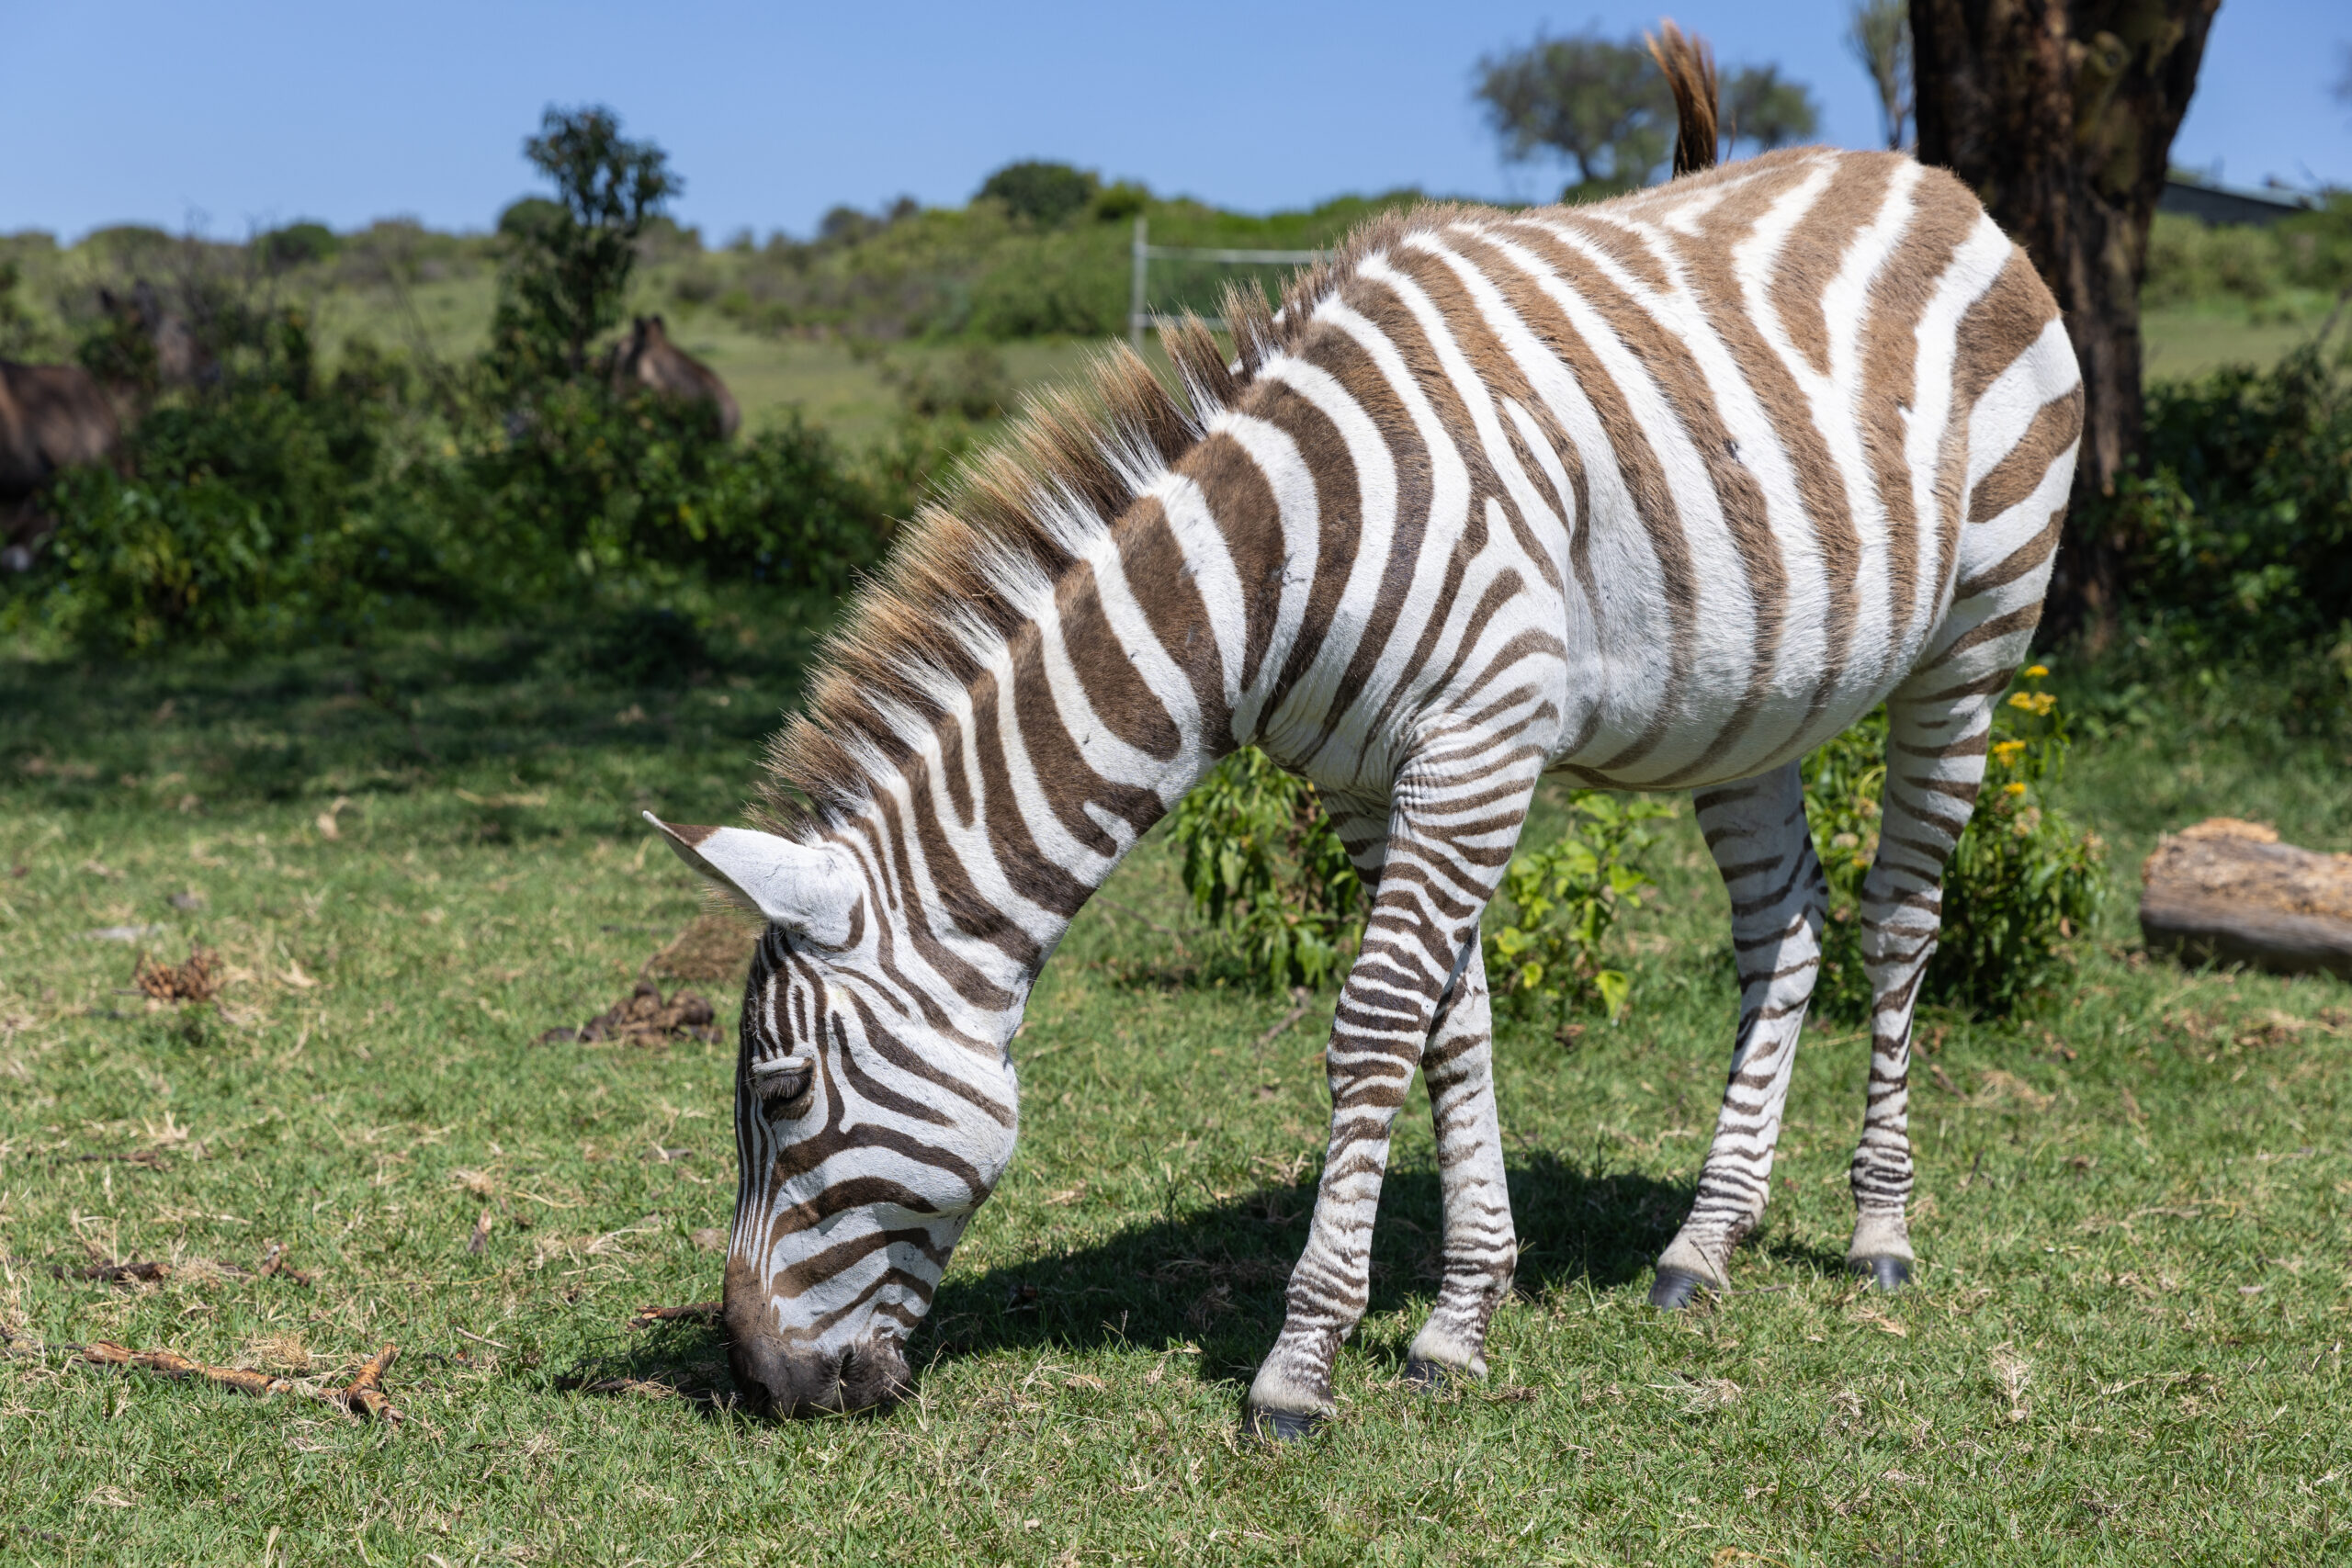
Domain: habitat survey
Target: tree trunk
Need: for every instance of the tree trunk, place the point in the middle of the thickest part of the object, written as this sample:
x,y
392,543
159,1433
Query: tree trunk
x,y
2061,113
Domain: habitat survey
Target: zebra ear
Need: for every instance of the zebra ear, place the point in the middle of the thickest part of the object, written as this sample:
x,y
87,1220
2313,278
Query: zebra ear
x,y
805,890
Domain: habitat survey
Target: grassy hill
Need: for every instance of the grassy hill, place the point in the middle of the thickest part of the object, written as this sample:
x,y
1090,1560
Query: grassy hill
x,y
848,326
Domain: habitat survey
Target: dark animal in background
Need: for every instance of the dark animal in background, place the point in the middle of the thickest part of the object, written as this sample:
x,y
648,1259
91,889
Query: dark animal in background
x,y
648,359
51,417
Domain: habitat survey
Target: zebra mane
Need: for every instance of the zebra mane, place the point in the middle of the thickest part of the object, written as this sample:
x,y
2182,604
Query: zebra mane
x,y
964,575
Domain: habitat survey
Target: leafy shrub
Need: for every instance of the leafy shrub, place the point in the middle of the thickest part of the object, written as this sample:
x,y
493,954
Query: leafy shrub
x,y
1563,900
590,487
2240,523
2192,262
2021,883
1264,864
241,517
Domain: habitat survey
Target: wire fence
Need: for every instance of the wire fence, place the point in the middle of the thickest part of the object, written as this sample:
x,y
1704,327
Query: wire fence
x,y
1141,317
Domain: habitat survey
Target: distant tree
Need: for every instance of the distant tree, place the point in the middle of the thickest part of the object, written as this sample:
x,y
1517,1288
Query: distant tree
x,y
1044,193
1880,35
569,261
2061,115
1601,105
298,242
1759,105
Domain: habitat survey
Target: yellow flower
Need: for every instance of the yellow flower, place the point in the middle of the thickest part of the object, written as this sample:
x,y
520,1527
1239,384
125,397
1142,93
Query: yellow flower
x,y
2036,671
2034,702
2015,786
2006,751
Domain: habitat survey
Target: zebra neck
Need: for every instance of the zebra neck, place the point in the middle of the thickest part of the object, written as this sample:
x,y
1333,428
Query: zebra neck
x,y
1131,676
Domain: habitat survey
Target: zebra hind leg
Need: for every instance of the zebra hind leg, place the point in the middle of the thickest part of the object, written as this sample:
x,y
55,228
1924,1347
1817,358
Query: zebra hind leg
x,y
1480,1247
1936,752
1756,829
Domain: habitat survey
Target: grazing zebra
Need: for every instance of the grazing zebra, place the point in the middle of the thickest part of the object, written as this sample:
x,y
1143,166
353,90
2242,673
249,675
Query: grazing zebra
x,y
1657,493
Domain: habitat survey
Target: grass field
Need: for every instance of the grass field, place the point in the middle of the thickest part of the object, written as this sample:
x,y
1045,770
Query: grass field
x,y
2126,1342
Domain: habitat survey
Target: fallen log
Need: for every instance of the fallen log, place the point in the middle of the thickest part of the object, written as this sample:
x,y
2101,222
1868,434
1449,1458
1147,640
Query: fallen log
x,y
2229,892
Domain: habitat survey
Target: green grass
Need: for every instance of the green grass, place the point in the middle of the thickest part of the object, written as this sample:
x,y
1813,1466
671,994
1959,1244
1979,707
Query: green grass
x,y
772,376
2182,343
2125,1344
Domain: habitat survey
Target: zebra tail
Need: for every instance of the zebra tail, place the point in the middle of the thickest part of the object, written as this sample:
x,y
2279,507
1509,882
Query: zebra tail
x,y
1689,67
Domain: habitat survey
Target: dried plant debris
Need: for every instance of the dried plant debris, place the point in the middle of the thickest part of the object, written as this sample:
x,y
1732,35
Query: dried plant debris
x,y
174,1365
364,1399
696,1312
645,1018
713,947
151,1160
366,1394
274,1266
193,981
115,1273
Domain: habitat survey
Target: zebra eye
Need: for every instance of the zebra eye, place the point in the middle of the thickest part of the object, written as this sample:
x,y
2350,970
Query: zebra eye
x,y
782,1088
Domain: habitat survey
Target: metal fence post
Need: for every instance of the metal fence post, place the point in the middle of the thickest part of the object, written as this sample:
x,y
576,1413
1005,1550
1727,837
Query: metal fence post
x,y
1135,293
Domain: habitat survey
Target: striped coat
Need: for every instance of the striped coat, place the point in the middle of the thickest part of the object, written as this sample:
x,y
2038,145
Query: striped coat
x,y
1656,494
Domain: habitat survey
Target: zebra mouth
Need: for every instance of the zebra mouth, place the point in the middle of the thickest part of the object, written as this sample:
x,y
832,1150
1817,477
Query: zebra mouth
x,y
802,1383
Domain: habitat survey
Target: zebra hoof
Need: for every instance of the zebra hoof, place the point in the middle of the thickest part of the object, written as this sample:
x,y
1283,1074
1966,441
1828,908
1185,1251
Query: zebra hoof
x,y
1673,1288
1280,1426
1889,1274
1424,1377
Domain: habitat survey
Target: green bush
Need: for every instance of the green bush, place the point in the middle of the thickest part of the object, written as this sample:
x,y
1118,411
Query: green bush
x,y
1558,905
2023,883
1265,867
2190,263
248,516
2239,522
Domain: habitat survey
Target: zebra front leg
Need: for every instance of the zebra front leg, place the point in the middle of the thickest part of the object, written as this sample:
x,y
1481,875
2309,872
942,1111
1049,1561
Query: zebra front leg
x,y
1451,834
1480,1248
1935,764
1756,828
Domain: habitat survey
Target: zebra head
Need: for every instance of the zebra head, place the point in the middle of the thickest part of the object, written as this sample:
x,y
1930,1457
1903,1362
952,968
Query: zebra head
x,y
868,1127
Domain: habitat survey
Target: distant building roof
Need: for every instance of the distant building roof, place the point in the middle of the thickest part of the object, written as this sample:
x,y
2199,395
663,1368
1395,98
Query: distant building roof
x,y
2212,204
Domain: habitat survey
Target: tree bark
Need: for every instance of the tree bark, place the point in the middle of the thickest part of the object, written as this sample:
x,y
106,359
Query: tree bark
x,y
2061,115
2229,892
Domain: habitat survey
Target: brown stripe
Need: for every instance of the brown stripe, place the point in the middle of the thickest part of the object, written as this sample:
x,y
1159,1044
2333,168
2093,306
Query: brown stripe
x,y
1242,505
1114,689
1637,468
1943,216
1162,581
2016,476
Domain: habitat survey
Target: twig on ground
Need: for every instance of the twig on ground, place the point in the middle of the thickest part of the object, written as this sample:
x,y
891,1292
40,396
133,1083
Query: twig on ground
x,y
476,1242
696,1312
107,1269
366,1394
151,1159
261,1385
1303,998
274,1263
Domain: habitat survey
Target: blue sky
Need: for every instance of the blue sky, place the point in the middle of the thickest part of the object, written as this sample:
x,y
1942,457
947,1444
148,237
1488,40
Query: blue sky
x,y
239,113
